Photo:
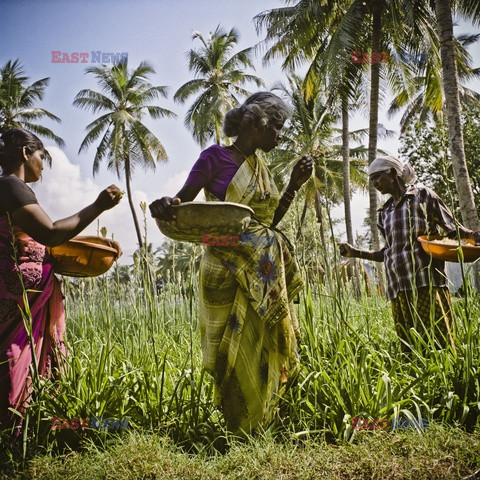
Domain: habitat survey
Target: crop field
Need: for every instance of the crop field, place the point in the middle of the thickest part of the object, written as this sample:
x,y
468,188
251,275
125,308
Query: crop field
x,y
134,353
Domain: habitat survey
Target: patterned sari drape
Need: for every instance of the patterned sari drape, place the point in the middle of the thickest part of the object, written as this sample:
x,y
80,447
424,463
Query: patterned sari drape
x,y
248,325
25,267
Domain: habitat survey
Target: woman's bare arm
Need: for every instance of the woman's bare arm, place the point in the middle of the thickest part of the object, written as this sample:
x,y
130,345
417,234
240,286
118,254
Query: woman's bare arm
x,y
33,220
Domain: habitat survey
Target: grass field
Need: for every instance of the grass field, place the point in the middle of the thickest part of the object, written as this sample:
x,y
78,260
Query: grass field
x,y
135,353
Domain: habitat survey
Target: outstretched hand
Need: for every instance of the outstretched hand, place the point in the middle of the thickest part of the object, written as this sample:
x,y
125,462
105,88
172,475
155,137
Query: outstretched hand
x,y
476,237
345,249
162,208
109,197
301,172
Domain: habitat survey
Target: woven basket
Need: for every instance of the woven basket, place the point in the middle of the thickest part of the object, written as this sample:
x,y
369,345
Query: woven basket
x,y
194,219
449,253
84,256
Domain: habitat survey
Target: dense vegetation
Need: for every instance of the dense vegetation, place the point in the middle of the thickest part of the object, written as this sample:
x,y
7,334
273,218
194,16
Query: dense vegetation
x,y
135,352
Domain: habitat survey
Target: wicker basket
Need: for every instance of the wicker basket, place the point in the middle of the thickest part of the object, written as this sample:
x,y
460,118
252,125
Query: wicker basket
x,y
84,256
449,252
194,219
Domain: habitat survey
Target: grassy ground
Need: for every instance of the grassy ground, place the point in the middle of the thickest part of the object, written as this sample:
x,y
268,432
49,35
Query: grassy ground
x,y
438,453
136,354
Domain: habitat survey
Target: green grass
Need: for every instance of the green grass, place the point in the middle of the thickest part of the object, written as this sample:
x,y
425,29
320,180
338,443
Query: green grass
x,y
439,453
136,354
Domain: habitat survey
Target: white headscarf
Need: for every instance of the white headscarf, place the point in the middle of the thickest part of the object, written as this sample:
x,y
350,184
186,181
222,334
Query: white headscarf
x,y
404,170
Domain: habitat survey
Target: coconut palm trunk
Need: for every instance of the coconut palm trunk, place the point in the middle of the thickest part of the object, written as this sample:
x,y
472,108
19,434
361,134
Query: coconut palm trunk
x,y
302,218
319,215
443,13
217,132
131,204
353,267
346,170
376,9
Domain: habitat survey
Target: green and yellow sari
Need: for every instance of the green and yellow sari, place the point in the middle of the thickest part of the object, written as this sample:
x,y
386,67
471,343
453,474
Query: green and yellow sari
x,y
248,325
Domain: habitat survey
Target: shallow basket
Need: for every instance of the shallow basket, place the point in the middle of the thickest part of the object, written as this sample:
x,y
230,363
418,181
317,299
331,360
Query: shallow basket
x,y
194,219
449,253
84,256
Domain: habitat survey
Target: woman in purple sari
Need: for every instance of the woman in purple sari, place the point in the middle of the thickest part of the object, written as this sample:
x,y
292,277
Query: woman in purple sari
x,y
248,326
30,294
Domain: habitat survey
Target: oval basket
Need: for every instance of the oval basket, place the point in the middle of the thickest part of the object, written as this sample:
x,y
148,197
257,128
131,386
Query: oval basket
x,y
449,253
84,256
194,219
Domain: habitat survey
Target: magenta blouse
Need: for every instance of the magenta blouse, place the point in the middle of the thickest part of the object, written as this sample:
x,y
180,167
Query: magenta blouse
x,y
213,171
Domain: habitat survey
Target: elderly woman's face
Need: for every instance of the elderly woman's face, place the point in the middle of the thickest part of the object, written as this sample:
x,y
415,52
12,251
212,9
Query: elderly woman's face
x,y
269,136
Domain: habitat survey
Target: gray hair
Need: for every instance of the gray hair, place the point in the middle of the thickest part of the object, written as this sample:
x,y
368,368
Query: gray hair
x,y
258,109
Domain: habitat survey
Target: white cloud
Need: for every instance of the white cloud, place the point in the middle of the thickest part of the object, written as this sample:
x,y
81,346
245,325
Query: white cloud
x,y
174,184
63,191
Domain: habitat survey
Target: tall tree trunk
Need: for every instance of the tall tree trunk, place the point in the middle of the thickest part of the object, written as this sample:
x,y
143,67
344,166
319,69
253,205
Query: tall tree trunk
x,y
132,206
376,10
302,218
352,267
453,109
346,170
217,132
318,212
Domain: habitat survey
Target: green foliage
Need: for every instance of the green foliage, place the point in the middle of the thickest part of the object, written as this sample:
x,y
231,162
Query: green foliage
x,y
173,257
423,97
135,352
218,81
311,132
425,147
124,140
439,454
17,100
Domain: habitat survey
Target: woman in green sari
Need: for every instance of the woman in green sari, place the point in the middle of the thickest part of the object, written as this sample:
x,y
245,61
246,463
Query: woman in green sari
x,y
249,331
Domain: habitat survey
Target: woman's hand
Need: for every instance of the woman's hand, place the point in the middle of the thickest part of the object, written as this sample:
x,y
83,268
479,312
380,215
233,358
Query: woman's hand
x,y
162,208
301,172
476,237
109,197
346,250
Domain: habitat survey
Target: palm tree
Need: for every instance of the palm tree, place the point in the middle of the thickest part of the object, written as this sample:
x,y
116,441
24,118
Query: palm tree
x,y
17,100
218,80
177,257
125,141
327,32
423,99
443,11
311,132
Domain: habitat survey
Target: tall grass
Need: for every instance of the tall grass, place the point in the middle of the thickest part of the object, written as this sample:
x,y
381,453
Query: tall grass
x,y
133,352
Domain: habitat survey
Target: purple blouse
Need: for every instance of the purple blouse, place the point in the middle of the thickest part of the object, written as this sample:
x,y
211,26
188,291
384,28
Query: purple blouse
x,y
213,171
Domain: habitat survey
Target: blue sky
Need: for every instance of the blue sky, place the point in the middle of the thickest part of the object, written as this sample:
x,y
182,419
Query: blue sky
x,y
158,31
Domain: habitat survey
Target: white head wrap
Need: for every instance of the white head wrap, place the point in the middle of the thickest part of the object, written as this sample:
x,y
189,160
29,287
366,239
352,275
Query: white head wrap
x,y
404,170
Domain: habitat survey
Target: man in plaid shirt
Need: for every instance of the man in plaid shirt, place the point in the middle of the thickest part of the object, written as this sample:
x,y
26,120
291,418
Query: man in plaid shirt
x,y
416,283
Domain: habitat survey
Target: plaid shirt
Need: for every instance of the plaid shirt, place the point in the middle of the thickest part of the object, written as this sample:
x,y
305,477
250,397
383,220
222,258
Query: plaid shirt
x,y
419,212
